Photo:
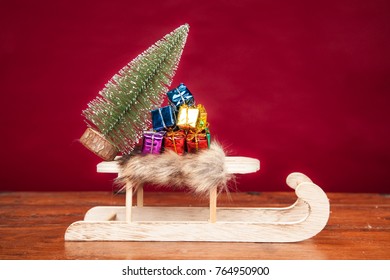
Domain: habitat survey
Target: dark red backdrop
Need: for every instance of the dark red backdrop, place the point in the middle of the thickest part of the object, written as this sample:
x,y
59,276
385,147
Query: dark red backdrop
x,y
300,85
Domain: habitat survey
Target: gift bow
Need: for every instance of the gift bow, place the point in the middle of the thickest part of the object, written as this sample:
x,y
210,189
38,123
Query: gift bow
x,y
181,94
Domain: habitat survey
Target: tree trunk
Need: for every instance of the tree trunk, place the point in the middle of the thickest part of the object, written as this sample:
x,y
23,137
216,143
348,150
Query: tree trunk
x,y
99,145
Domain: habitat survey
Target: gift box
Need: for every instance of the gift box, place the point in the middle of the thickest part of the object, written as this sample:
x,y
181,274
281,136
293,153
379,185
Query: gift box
x,y
163,118
197,141
175,141
207,131
179,96
187,117
202,119
152,142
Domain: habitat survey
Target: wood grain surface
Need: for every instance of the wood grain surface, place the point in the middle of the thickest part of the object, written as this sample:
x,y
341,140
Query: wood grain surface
x,y
32,226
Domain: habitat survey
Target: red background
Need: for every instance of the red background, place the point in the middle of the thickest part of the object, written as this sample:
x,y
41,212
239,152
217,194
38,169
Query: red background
x,y
300,85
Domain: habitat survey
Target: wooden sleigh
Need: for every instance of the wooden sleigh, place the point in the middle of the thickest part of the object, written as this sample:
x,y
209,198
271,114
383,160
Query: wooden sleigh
x,y
302,220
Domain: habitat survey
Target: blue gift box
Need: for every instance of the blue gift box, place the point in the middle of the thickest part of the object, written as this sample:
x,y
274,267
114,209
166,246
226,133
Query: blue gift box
x,y
179,96
163,118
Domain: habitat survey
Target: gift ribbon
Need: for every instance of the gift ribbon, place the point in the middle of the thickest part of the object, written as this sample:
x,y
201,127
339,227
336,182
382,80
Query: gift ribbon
x,y
151,148
162,119
181,95
174,143
174,117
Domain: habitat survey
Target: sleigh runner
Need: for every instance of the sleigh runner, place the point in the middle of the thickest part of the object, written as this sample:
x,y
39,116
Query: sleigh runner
x,y
300,221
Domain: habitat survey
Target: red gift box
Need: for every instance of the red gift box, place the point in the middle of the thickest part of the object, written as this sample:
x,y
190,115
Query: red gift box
x,y
174,141
196,142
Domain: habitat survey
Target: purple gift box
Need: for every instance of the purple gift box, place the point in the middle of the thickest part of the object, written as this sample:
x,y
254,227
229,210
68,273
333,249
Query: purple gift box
x,y
152,142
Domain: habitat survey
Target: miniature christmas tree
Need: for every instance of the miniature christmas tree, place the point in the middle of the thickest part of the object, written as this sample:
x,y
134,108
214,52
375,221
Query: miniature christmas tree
x,y
117,118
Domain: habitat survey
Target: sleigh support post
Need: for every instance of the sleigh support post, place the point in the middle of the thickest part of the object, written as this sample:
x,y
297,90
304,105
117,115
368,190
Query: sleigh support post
x,y
129,198
129,202
213,205
140,195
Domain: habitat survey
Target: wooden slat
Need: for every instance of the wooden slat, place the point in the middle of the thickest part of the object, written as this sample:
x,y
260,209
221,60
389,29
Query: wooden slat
x,y
196,214
236,165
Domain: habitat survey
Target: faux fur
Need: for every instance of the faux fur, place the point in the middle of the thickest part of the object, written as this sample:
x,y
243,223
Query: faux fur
x,y
199,172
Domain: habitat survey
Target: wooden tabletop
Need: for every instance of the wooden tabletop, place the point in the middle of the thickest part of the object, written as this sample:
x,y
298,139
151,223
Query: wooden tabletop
x,y
32,226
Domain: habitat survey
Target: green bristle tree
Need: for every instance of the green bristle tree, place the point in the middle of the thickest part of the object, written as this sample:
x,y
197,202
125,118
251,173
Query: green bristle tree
x,y
117,118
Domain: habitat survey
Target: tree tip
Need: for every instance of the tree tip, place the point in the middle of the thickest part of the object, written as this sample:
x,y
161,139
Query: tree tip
x,y
186,26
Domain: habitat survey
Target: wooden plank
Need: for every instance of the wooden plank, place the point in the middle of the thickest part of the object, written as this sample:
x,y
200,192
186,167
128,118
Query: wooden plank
x,y
194,231
241,165
201,214
234,165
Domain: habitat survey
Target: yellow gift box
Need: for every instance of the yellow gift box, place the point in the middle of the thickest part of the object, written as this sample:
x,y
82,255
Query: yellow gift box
x,y
187,117
202,119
